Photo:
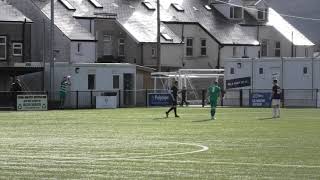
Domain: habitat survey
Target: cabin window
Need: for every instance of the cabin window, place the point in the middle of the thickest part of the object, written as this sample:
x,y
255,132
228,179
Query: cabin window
x,y
116,81
91,81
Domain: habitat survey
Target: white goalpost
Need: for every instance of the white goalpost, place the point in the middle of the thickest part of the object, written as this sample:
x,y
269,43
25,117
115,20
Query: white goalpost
x,y
193,80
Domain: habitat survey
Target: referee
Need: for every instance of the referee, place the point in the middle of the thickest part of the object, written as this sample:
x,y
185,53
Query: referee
x,y
174,94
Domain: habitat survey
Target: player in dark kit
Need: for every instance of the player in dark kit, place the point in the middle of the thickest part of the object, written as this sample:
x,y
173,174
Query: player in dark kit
x,y
174,94
276,96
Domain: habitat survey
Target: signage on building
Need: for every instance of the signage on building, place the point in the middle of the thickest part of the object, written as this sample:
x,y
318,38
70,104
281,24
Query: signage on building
x,y
32,103
260,99
159,99
106,102
238,83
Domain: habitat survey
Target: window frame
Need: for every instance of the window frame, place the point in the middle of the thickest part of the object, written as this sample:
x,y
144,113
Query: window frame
x,y
5,48
245,52
95,3
233,13
94,82
113,81
120,44
166,37
189,47
232,70
277,49
261,71
203,47
305,70
178,7
14,44
79,47
263,11
148,5
67,5
264,42
153,52
234,51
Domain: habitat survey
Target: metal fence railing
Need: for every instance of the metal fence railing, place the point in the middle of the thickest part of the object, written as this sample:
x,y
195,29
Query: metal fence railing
x,y
141,98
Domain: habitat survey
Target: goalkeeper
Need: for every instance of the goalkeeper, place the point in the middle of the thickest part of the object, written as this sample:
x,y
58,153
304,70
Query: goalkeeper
x,y
214,93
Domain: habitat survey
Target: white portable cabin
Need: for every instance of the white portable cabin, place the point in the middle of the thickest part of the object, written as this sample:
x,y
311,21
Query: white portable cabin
x,y
95,79
299,77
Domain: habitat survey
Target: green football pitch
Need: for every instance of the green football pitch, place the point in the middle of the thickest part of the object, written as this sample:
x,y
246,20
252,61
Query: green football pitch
x,y
140,143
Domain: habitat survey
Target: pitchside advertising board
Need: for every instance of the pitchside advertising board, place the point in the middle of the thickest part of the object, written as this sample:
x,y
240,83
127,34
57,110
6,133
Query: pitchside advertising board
x,y
32,103
260,99
238,82
159,99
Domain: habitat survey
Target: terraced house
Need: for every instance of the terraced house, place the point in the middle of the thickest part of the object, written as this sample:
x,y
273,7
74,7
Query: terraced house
x,y
194,33
15,45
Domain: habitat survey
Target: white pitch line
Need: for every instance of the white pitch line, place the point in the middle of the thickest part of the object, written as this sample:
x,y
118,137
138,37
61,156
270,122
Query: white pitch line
x,y
203,148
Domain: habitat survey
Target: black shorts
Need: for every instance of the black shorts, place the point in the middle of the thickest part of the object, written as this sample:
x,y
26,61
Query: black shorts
x,y
174,102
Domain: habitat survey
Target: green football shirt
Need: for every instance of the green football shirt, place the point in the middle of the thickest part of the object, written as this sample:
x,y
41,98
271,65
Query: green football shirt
x,y
214,92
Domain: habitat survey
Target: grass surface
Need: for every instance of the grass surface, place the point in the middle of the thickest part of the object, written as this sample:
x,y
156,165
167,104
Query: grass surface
x,y
141,144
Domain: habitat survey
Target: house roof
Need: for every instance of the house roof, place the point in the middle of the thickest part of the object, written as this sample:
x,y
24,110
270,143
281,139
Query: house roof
x,y
141,23
286,29
302,8
132,15
10,14
223,30
65,22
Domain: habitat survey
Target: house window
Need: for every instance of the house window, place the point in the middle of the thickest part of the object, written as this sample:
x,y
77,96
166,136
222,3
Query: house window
x,y
153,52
264,48
17,49
260,71
277,51
207,7
306,52
177,7
66,4
96,4
148,5
91,81
189,49
79,48
232,70
3,47
235,12
234,51
261,14
116,81
166,37
121,47
245,52
203,47
305,70
106,37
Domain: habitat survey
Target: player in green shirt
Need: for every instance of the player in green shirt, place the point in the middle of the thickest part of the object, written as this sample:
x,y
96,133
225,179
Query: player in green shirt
x,y
214,94
63,89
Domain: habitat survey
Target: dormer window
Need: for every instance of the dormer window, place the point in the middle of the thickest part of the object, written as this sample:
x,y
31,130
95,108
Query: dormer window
x,y
236,12
261,14
177,7
148,5
208,7
166,37
66,4
95,3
